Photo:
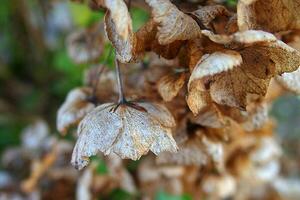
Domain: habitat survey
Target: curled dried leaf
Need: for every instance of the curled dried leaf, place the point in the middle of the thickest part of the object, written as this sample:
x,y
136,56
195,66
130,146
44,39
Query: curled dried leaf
x,y
130,131
75,107
172,23
170,85
259,15
85,45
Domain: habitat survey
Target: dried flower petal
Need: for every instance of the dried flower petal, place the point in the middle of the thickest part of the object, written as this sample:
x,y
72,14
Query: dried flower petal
x,y
170,85
195,151
215,63
263,58
127,130
146,41
190,152
75,107
212,17
290,81
256,117
173,24
260,14
118,26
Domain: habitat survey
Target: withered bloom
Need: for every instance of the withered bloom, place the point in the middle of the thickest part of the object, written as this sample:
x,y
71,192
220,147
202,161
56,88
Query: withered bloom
x,y
130,130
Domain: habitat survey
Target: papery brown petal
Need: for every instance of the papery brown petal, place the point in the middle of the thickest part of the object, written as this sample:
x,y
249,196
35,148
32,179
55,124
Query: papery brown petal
x,y
195,52
197,100
146,41
259,15
190,152
210,117
96,132
173,24
213,17
169,85
241,38
257,116
75,107
123,45
215,63
290,81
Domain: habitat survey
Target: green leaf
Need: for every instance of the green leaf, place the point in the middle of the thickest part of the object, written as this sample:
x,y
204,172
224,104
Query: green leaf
x,y
118,194
161,195
83,16
101,165
139,18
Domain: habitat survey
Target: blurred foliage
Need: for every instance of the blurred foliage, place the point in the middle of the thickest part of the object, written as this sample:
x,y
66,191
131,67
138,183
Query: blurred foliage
x,y
161,195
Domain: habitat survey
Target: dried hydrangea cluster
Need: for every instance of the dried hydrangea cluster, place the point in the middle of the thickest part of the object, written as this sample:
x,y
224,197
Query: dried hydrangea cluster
x,y
200,102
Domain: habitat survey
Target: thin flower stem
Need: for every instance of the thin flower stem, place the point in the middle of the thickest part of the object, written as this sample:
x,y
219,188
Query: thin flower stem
x,y
99,72
122,98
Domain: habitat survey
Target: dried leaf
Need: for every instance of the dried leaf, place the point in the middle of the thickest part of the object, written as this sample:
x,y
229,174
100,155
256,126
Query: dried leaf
x,y
173,24
260,15
290,81
130,131
75,107
169,85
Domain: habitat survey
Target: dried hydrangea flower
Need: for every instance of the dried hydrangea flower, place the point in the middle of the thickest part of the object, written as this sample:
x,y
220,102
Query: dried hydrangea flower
x,y
75,107
198,150
173,24
259,15
130,130
243,73
85,45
